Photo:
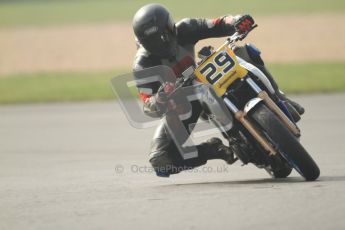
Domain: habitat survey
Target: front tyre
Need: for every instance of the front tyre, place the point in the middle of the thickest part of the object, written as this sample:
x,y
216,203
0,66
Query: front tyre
x,y
281,172
286,143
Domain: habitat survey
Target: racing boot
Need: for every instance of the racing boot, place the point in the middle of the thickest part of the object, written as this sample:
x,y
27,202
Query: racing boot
x,y
295,109
215,149
293,112
296,106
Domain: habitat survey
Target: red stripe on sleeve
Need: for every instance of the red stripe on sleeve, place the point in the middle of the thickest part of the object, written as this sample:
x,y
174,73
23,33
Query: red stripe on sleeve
x,y
216,21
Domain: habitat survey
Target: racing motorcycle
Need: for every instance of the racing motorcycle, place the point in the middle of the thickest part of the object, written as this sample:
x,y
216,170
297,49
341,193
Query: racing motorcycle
x,y
266,133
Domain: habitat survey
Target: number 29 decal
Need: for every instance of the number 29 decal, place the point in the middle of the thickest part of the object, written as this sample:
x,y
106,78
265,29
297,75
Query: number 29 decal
x,y
223,61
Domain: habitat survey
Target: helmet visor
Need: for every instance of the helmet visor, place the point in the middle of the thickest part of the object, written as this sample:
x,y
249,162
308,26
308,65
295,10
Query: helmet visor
x,y
162,43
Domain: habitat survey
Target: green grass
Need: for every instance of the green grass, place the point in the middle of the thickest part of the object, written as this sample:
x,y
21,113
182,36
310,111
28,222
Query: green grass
x,y
53,87
59,87
56,12
310,78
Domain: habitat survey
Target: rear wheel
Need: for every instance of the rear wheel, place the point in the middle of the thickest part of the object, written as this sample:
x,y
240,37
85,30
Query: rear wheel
x,y
287,144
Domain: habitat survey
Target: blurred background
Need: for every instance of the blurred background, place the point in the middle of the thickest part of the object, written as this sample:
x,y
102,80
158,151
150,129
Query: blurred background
x,y
68,50
70,165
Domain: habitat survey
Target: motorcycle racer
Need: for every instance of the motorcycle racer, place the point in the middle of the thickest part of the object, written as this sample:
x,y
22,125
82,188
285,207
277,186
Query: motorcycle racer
x,y
162,42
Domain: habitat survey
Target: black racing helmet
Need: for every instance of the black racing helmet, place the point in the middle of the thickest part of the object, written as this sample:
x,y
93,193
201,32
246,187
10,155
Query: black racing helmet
x,y
155,30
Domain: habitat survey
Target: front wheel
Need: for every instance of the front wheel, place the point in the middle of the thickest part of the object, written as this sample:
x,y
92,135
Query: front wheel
x,y
282,172
286,143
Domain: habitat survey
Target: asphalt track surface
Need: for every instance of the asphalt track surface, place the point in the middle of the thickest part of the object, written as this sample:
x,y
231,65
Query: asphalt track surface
x,y
76,166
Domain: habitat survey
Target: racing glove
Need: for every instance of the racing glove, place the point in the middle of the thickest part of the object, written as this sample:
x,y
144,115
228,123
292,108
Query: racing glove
x,y
158,104
164,91
243,23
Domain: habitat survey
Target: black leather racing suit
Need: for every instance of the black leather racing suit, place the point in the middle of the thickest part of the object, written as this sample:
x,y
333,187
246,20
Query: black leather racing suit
x,y
164,155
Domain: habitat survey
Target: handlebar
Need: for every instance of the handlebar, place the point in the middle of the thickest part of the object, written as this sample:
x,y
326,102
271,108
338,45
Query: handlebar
x,y
239,37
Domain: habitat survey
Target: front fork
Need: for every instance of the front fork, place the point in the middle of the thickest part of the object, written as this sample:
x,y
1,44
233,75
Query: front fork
x,y
241,116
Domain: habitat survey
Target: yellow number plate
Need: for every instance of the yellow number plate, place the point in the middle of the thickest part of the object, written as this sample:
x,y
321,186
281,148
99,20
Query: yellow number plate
x,y
220,70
